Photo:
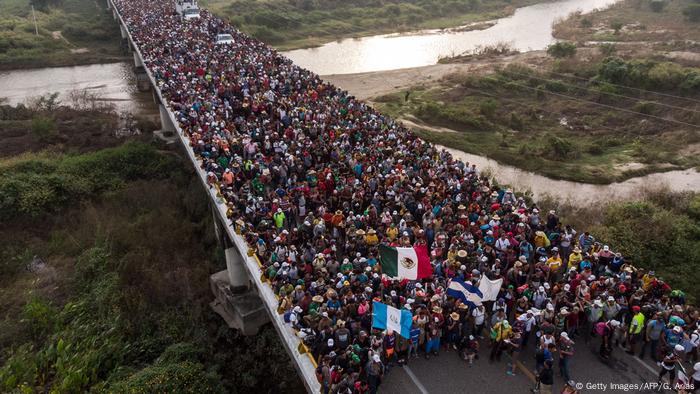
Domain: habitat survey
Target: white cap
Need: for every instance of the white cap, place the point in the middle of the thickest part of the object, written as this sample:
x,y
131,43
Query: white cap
x,y
679,348
376,358
564,335
614,323
677,329
330,342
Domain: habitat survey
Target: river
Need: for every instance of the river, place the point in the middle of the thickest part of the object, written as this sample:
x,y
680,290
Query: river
x,y
529,28
113,82
577,193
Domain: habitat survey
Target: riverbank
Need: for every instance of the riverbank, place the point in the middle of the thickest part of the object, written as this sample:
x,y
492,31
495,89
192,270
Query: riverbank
x,y
306,24
544,115
70,32
663,25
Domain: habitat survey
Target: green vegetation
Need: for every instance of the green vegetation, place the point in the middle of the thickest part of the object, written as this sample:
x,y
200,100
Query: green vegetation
x,y
106,256
650,74
582,126
71,32
289,24
661,22
662,233
562,49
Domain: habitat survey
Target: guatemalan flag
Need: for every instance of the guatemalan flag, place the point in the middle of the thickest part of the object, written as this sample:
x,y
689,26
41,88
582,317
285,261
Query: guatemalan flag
x,y
385,317
465,292
405,263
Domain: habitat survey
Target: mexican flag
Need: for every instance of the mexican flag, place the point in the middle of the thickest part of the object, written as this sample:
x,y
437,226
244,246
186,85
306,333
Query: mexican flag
x,y
405,263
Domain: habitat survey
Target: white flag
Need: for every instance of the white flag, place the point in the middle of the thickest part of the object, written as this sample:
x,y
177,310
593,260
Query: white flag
x,y
490,288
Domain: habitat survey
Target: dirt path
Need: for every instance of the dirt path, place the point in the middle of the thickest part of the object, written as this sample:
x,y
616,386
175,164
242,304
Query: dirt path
x,y
373,84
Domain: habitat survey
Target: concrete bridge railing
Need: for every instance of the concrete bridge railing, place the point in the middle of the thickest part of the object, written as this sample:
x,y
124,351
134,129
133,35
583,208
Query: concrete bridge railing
x,y
243,266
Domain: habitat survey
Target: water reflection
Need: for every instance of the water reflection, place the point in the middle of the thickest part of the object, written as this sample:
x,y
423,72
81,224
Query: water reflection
x,y
529,28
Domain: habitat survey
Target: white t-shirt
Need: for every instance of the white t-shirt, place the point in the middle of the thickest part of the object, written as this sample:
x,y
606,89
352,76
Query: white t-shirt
x,y
478,316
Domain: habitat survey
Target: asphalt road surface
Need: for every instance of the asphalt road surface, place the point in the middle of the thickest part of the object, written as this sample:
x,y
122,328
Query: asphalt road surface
x,y
449,374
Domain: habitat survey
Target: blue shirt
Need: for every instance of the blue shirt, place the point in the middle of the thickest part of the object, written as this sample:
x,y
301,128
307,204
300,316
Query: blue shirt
x,y
415,333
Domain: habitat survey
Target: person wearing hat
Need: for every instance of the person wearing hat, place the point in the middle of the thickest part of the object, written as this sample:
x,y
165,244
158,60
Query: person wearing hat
x,y
371,238
375,372
433,333
634,334
668,364
452,331
566,352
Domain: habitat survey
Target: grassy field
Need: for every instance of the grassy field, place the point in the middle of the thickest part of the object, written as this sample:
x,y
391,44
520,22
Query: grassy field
x,y
291,24
71,32
577,123
633,21
104,265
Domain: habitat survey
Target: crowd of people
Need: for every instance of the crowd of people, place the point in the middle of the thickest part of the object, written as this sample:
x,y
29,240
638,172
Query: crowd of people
x,y
318,179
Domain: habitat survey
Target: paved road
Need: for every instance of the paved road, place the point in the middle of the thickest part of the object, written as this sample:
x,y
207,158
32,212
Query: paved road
x,y
449,374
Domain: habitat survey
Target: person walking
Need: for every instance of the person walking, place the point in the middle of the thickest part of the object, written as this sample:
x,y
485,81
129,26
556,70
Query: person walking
x,y
668,365
634,333
566,352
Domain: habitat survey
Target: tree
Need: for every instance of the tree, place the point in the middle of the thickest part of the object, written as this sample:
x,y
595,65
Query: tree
x,y
561,49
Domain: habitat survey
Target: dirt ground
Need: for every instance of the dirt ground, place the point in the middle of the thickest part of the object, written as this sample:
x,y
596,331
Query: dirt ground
x,y
373,84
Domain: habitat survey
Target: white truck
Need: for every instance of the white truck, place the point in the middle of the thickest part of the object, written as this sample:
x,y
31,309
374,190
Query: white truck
x,y
187,9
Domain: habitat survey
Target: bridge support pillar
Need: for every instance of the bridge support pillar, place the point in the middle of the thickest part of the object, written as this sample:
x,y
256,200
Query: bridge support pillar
x,y
109,5
137,60
236,301
166,124
123,31
114,14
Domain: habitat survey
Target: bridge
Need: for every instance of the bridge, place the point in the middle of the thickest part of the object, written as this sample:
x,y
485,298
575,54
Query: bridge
x,y
243,298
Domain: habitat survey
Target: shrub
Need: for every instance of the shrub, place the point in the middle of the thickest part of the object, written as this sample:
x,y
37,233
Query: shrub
x,y
644,107
561,49
586,23
515,122
488,107
607,49
183,377
657,5
616,26
43,126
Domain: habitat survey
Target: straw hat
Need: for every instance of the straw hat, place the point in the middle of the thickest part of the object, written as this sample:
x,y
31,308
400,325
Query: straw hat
x,y
371,231
454,316
437,309
360,232
317,298
462,253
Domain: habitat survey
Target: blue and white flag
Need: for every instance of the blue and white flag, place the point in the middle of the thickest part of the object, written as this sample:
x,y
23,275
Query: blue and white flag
x,y
465,292
385,317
